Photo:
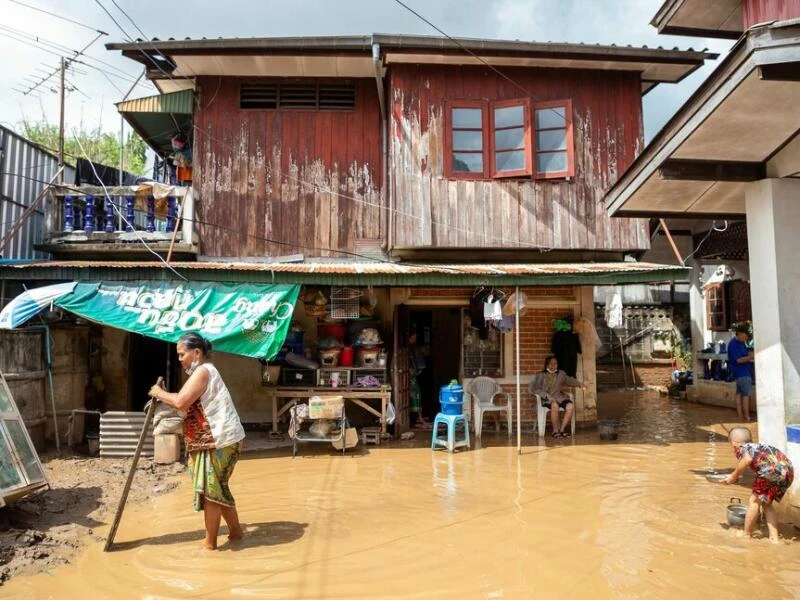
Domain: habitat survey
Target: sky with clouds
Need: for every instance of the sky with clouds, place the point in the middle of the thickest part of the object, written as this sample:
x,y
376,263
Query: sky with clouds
x,y
30,41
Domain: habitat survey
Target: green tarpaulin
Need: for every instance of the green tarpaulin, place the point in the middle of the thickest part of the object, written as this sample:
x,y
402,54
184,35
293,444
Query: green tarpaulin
x,y
245,319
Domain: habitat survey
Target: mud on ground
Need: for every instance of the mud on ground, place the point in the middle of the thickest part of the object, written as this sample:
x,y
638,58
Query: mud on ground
x,y
48,528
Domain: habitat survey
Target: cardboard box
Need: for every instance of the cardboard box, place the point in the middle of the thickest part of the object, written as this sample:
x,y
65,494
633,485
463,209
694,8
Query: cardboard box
x,y
327,407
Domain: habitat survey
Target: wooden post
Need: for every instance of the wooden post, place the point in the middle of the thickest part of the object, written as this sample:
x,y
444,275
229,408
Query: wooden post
x,y
124,498
672,242
175,230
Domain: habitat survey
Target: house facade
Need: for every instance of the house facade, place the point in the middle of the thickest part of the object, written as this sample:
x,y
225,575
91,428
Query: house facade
x,y
423,168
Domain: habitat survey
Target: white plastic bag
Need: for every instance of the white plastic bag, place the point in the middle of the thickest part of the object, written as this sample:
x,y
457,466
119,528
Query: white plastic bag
x,y
390,414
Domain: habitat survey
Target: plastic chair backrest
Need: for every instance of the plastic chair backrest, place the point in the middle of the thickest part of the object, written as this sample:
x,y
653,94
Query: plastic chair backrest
x,y
483,388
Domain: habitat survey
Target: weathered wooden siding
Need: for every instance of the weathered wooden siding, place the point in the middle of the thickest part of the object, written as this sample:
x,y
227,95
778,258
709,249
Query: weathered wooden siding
x,y
274,182
432,211
763,11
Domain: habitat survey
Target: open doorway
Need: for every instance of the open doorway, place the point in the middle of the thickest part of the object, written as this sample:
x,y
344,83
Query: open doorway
x,y
437,352
149,359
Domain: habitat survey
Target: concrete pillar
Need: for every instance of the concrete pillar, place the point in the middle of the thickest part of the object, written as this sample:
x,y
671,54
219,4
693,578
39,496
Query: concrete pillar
x,y
697,309
773,222
587,399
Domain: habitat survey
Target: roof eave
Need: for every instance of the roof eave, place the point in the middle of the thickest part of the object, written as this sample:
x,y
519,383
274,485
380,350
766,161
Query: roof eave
x,y
621,191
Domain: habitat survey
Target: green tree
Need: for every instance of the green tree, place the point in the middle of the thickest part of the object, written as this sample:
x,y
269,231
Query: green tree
x,y
100,146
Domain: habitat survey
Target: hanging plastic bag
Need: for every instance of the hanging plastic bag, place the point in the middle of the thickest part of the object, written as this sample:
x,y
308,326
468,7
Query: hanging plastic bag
x,y
390,413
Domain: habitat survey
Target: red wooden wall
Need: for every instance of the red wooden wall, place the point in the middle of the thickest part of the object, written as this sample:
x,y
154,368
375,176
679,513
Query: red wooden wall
x,y
273,182
760,11
433,211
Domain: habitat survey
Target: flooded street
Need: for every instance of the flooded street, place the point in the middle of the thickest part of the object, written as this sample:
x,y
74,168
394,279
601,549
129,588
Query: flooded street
x,y
567,519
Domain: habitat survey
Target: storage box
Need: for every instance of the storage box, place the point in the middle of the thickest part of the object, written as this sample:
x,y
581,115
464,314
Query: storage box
x,y
379,374
324,377
305,377
325,407
270,374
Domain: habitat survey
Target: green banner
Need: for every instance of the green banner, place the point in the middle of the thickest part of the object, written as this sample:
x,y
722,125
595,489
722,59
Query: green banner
x,y
246,319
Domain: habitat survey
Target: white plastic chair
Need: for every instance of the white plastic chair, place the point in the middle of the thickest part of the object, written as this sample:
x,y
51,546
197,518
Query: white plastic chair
x,y
484,390
541,413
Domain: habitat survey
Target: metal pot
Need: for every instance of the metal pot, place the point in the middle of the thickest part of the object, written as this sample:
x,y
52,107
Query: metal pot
x,y
736,513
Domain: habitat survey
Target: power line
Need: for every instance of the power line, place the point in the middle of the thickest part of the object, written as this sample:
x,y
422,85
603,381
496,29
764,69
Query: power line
x,y
464,48
57,16
67,59
130,39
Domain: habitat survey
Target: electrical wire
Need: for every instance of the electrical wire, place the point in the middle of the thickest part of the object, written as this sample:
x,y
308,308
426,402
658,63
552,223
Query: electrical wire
x,y
711,230
57,16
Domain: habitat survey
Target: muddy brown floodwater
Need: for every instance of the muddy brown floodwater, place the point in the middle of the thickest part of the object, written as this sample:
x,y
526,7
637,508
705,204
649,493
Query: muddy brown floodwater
x,y
570,519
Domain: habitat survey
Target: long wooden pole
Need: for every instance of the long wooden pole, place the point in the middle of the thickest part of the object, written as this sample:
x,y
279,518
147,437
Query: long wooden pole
x,y
516,343
672,242
175,231
124,498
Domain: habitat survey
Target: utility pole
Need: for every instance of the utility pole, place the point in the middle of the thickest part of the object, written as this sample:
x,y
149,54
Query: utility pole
x,y
61,122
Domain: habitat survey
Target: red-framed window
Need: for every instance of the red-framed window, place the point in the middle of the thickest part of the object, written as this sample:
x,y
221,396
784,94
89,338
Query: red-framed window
x,y
508,138
553,143
511,138
466,143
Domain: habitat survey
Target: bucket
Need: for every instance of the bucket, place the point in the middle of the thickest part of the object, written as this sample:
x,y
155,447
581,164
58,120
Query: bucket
x,y
333,330
347,356
451,398
93,440
608,429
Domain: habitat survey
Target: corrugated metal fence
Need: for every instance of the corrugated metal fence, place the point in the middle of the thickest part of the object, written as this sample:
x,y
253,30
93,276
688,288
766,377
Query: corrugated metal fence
x,y
24,170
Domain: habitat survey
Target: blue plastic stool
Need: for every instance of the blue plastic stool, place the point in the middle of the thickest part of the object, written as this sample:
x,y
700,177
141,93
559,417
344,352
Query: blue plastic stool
x,y
451,421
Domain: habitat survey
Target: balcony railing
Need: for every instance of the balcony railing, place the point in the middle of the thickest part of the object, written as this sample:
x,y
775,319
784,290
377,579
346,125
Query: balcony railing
x,y
119,219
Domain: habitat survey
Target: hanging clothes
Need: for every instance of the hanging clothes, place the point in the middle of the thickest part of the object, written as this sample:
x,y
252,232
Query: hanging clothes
x,y
613,308
476,313
492,309
566,346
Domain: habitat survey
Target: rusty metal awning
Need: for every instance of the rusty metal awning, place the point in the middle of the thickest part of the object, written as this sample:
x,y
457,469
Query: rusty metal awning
x,y
158,118
354,273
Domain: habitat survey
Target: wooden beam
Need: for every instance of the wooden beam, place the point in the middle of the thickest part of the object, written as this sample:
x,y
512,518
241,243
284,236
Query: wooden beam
x,y
663,224
711,170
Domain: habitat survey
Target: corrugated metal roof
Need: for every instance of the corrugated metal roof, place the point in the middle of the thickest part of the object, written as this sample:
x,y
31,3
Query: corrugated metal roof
x,y
400,41
181,103
356,273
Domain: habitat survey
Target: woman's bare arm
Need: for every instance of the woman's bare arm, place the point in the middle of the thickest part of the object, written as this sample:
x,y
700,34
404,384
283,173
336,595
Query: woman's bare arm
x,y
188,394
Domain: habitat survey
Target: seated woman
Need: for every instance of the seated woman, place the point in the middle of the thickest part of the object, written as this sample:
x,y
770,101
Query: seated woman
x,y
549,386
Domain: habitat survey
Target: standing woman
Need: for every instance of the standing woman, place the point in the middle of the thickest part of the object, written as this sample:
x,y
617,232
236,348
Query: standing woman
x,y
212,433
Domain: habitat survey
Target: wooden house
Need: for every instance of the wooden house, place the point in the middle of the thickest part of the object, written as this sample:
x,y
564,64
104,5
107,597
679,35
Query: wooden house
x,y
422,166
